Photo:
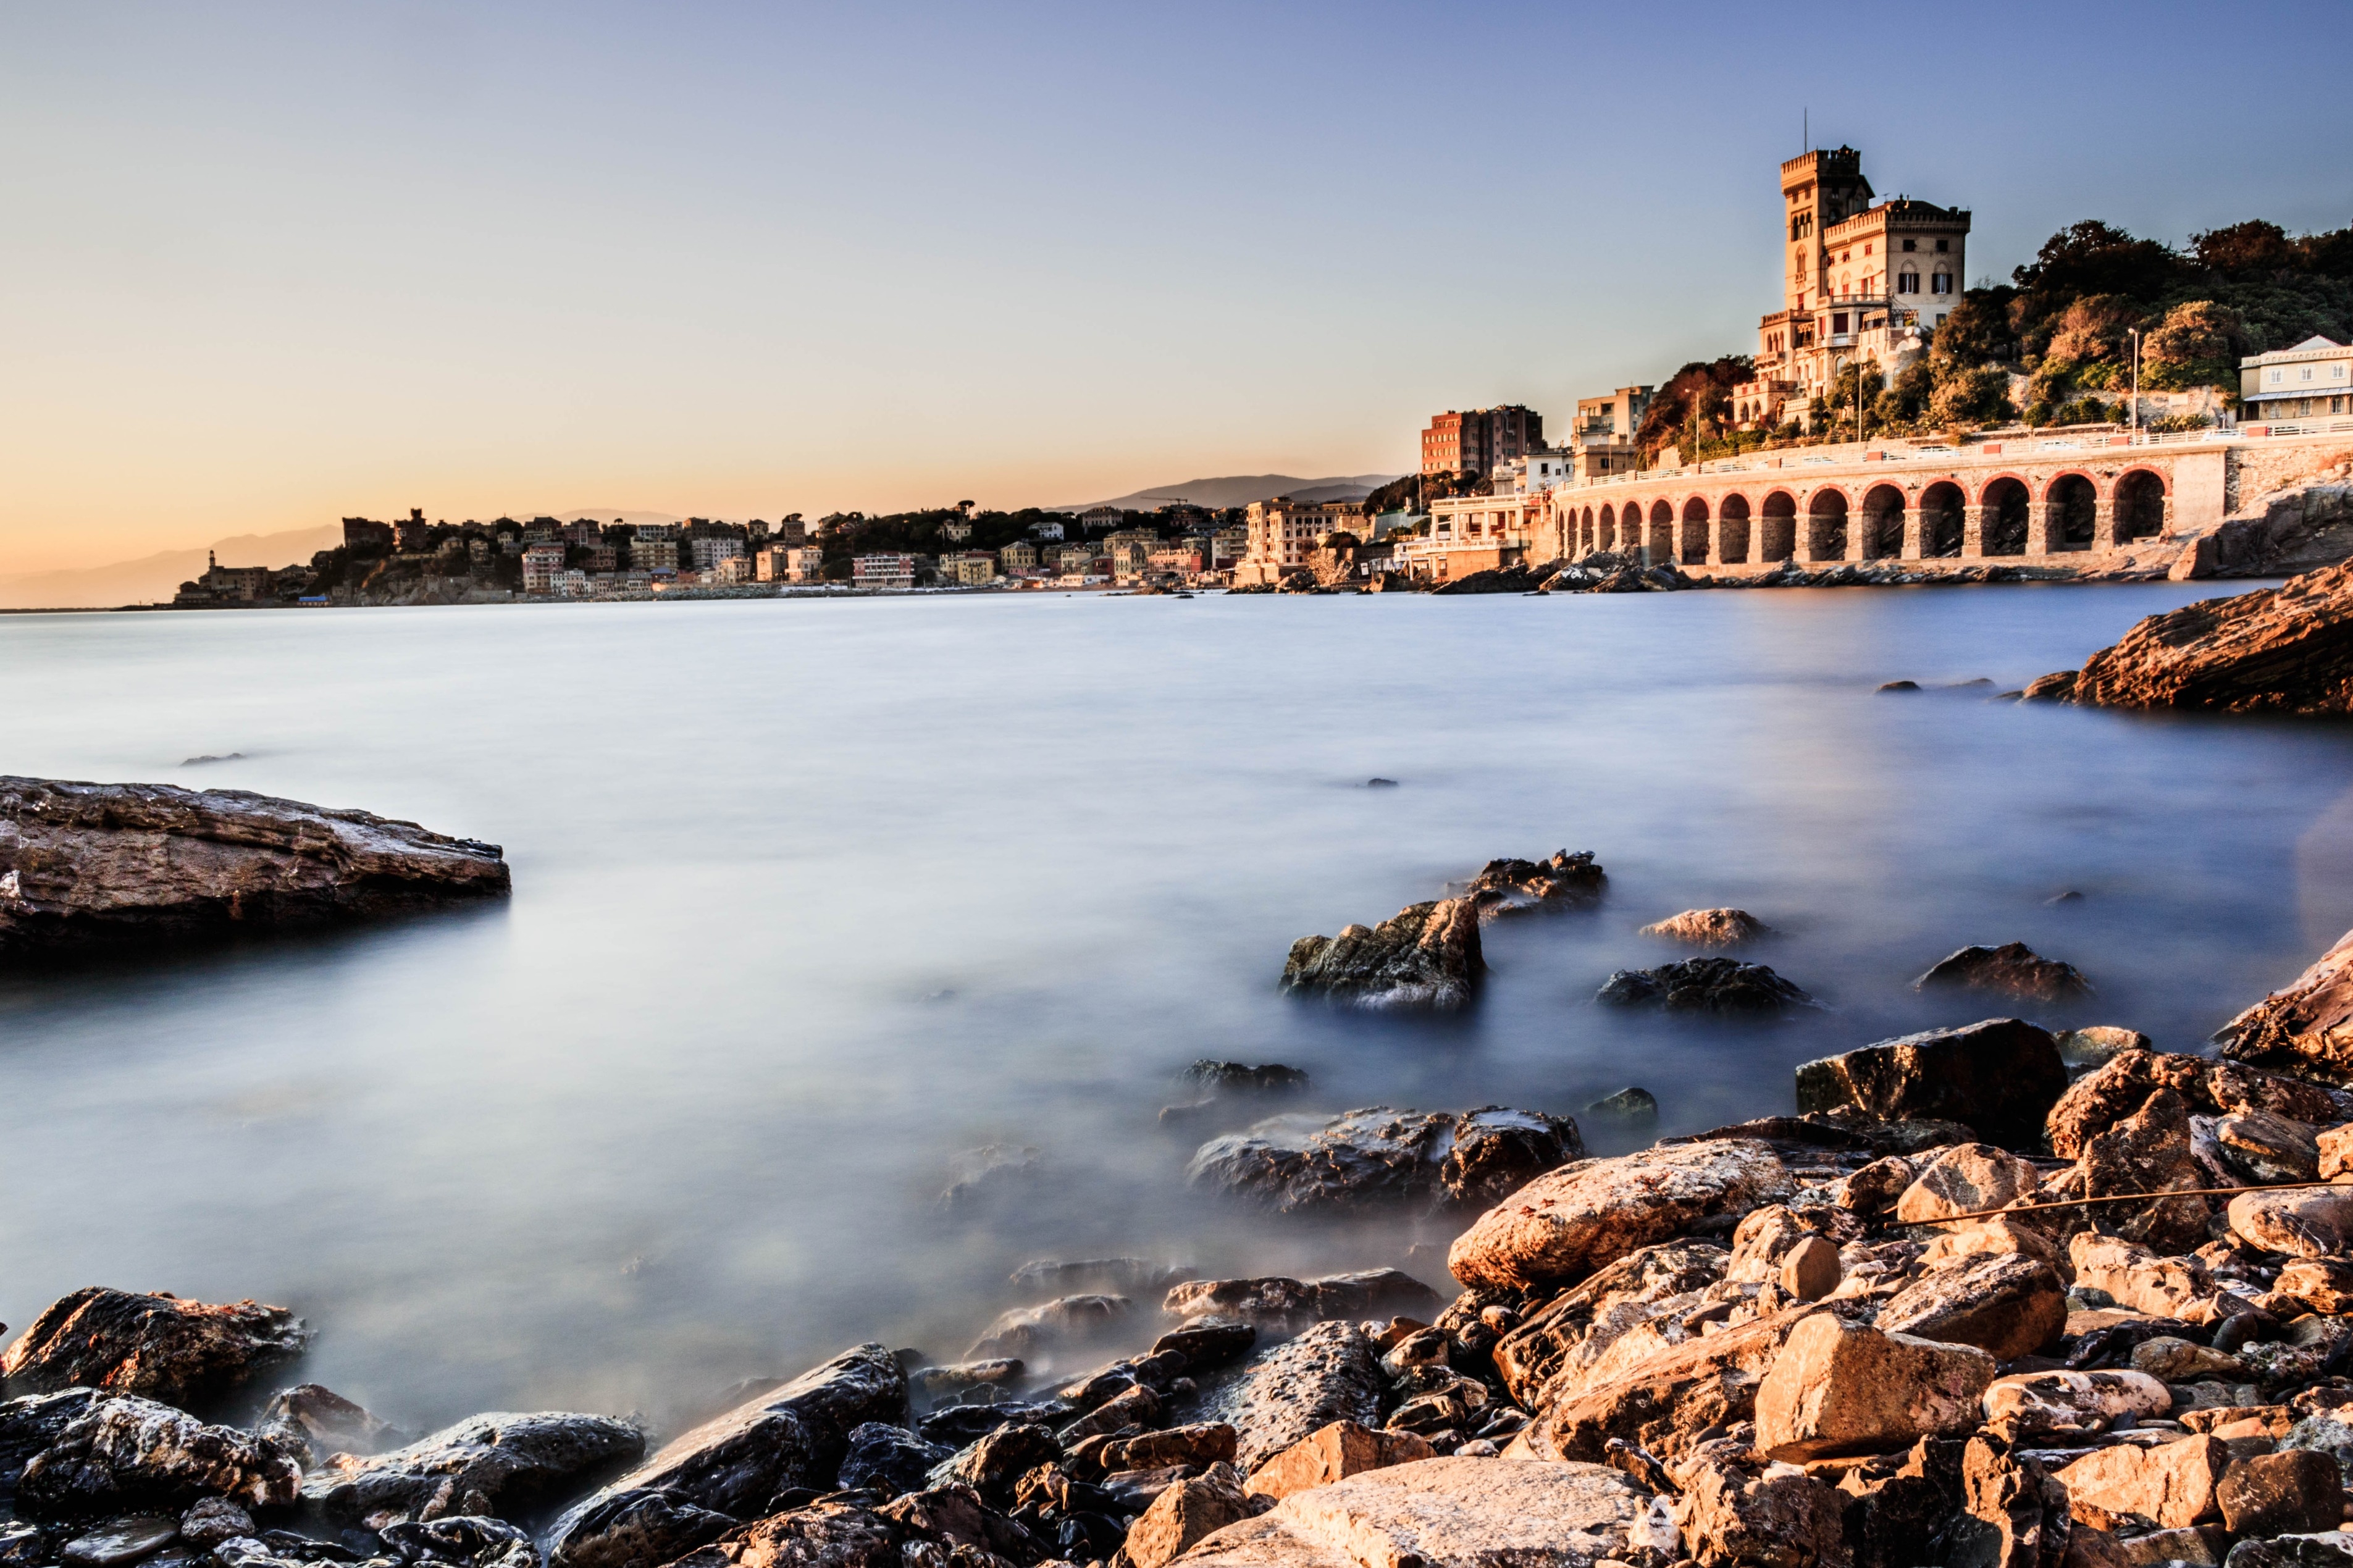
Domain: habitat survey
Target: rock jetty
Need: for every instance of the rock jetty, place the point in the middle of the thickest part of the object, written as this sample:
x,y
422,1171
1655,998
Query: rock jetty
x,y
2288,649
130,868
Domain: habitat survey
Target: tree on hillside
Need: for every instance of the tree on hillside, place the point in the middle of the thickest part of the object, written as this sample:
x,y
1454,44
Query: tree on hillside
x,y
2199,343
1693,404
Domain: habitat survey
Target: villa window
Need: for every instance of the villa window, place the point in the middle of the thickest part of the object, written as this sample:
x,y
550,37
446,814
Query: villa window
x,y
2275,377
1908,283
1941,283
2305,374
1944,245
1911,245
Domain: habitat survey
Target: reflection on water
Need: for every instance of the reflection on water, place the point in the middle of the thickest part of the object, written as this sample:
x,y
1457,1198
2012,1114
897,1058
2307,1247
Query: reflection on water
x,y
811,897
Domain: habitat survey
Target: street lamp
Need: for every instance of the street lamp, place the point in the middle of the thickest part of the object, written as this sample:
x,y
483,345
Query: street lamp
x,y
2136,383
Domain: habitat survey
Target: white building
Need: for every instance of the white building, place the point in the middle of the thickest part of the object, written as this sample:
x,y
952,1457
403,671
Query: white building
x,y
709,552
883,572
2310,381
541,563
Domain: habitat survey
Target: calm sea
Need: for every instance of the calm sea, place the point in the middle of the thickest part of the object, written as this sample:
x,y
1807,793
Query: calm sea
x,y
810,896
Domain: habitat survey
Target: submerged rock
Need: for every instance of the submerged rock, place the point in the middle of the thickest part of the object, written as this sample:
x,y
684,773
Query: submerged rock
x,y
125,1453
2012,970
1999,1078
159,1346
1710,928
1028,1332
1592,1211
115,867
1563,881
1380,1156
325,1423
1723,985
1119,1275
483,1465
1426,955
2288,649
1633,1103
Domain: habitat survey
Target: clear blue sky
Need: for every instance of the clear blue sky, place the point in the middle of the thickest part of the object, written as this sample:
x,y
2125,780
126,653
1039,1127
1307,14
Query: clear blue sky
x,y
266,264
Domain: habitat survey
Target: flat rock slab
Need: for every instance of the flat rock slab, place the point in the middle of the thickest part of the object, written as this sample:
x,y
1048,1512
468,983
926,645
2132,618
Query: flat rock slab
x,y
99,868
1284,1394
1594,1212
1452,1513
156,1346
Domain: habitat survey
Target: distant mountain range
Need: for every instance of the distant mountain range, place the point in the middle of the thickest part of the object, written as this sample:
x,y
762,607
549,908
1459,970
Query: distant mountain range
x,y
1240,490
154,578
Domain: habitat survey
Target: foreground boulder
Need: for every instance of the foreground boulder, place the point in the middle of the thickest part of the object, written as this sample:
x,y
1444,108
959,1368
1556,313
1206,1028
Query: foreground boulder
x,y
1284,1394
1999,1078
1186,1513
1296,1165
1840,1388
1453,1512
2288,649
1738,1510
2170,1486
1565,881
177,1352
1724,985
487,1464
1592,1211
110,866
2005,1305
2012,970
1710,928
125,1453
2121,1086
725,1470
1335,1453
1424,955
2307,1025
1668,1402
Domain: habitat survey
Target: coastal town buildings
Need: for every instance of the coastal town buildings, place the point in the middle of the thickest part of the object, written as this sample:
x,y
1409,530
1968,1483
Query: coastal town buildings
x,y
1282,531
1601,440
541,563
884,570
1018,558
2312,379
1474,442
772,563
805,564
968,568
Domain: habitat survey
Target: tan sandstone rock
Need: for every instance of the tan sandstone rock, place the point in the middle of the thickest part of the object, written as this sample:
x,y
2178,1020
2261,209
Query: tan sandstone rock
x,y
2170,1486
1710,928
2065,1401
2138,1278
1333,1453
1999,1236
1843,1388
2306,1023
1593,1212
2310,1222
1185,1513
2007,1306
2288,649
1738,1510
1966,1179
1665,1402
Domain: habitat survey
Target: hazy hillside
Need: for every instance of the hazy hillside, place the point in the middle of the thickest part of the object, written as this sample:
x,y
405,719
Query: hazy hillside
x,y
1240,490
157,577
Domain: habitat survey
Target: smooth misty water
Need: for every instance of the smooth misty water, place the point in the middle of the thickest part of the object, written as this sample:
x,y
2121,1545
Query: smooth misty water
x,y
811,895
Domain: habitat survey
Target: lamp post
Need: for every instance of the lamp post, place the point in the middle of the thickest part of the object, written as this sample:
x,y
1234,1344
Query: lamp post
x,y
2134,433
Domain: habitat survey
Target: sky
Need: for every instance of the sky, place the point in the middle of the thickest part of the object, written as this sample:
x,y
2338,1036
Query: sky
x,y
263,265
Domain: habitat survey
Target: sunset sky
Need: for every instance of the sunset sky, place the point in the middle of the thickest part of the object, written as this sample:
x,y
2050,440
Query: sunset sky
x,y
270,264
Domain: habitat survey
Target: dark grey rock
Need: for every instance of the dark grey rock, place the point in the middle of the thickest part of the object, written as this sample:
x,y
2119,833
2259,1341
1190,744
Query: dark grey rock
x,y
1720,985
1377,1156
124,1454
485,1465
1280,1395
158,1347
888,1459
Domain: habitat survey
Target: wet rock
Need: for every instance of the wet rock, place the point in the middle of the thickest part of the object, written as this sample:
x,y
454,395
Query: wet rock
x,y
992,1463
2261,1148
1532,1352
2170,1486
2280,1494
464,1540
482,1465
1899,686
1184,1513
323,1423
1451,1513
1283,1394
961,1424
213,1520
1894,1502
92,866
2148,1151
1333,1453
2288,649
180,1352
984,1180
22,1545
1202,1443
1030,1332
1376,1156
1721,985
2096,1043
1428,954
820,1536
1632,1104
1208,1344
2015,1512
2099,1100
2334,1550
1966,1179
31,1423
1234,1078
2136,1278
124,1453
1280,1305
2043,1402
1134,1406
795,1436
1592,1211
1665,1402
122,1542
1838,1387
1738,1510
2311,1222
888,1459
1999,1078
2007,1306
1114,1276
1563,881
2306,1025
2012,970
963,1377
1710,928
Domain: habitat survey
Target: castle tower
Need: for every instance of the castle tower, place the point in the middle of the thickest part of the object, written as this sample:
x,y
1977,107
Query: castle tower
x,y
1818,189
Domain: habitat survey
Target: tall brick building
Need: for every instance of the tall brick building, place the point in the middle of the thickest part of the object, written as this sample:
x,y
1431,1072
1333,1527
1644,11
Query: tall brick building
x,y
1474,442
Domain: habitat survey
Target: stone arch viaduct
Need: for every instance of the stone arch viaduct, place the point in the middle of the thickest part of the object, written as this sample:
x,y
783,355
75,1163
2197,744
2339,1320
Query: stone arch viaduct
x,y
2025,501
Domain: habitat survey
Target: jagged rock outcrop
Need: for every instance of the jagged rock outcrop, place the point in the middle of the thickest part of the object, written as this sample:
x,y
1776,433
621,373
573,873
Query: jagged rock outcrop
x,y
95,867
159,1346
1563,881
1377,1156
1425,955
1999,1078
2288,649
2306,1024
2300,529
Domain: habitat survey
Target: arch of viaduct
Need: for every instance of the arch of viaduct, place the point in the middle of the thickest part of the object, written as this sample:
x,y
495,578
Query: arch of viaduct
x,y
1982,505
